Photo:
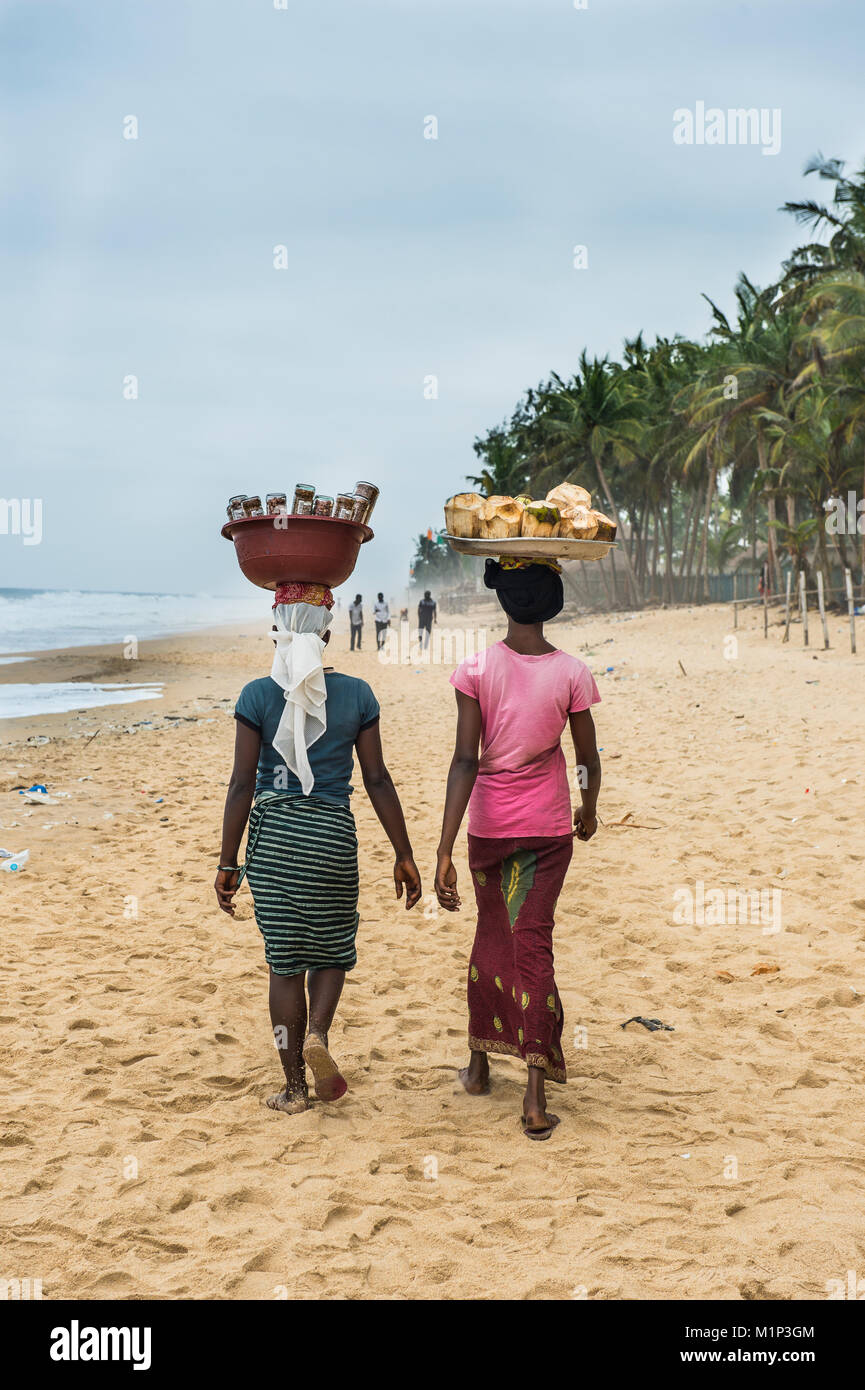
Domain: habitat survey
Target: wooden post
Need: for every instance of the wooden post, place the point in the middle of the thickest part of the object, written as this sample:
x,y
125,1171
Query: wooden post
x,y
803,604
765,611
822,608
787,608
851,610
735,604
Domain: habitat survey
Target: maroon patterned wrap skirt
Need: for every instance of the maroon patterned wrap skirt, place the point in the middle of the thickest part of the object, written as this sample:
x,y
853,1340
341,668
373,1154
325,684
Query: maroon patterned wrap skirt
x,y
514,1005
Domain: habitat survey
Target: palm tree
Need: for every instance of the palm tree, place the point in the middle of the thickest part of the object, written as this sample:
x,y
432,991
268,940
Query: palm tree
x,y
794,541
771,406
846,221
592,418
764,351
505,471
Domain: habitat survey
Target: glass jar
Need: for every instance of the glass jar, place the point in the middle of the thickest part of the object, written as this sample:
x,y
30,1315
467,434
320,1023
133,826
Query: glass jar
x,y
343,507
235,507
370,492
302,507
303,492
360,508
277,504
322,506
252,506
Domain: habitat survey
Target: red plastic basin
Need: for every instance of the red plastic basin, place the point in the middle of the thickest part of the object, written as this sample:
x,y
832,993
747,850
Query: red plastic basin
x,y
308,549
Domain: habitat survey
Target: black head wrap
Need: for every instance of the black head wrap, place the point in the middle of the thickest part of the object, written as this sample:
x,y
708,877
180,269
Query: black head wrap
x,y
531,594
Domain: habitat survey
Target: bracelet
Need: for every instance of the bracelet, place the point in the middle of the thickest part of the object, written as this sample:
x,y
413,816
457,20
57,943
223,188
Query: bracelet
x,y
229,868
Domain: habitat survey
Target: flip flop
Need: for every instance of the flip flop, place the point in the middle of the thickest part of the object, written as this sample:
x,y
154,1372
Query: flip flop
x,y
539,1132
330,1083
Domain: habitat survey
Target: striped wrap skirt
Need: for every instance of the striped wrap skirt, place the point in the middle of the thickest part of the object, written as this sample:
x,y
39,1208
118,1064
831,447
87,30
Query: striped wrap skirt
x,y
301,865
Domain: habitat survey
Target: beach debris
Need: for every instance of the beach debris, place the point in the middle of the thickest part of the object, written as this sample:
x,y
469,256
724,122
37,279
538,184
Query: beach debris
x,y
38,795
627,822
10,862
765,967
725,976
38,739
682,669
653,1024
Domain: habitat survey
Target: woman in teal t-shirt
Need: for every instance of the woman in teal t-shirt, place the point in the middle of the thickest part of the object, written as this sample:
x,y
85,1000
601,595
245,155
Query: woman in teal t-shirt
x,y
297,732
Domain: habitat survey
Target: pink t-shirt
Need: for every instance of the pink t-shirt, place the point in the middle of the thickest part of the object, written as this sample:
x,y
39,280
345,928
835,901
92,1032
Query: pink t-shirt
x,y
522,783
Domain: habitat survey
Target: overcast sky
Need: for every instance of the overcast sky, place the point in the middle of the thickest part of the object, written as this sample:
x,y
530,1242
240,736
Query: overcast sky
x,y
407,257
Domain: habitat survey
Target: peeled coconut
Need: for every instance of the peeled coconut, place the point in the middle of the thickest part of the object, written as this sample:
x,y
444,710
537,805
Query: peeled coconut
x,y
578,524
568,495
606,528
500,518
540,519
462,514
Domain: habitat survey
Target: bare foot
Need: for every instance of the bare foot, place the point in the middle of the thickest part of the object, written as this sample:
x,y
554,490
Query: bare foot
x,y
330,1083
476,1076
289,1102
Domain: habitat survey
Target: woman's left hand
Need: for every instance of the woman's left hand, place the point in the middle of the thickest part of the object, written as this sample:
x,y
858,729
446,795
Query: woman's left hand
x,y
584,825
405,871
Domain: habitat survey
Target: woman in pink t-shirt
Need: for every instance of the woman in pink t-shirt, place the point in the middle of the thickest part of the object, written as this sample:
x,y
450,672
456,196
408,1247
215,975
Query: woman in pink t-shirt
x,y
514,700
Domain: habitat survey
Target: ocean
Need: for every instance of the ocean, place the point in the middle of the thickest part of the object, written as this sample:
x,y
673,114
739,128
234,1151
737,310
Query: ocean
x,y
39,619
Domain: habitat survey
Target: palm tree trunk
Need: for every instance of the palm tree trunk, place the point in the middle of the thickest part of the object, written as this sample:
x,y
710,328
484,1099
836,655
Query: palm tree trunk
x,y
823,552
771,551
771,554
655,552
612,559
690,581
686,539
692,549
629,571
704,545
669,575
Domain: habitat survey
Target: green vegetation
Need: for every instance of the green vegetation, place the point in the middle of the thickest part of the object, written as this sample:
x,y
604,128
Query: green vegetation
x,y
708,451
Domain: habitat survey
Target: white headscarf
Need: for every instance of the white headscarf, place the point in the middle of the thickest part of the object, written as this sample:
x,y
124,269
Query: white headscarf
x,y
298,668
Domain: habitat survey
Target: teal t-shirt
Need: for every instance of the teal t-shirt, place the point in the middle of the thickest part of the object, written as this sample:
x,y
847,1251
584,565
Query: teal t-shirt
x,y
351,706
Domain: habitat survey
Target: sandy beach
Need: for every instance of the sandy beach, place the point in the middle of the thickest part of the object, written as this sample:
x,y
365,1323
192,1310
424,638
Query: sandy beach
x,y
721,1159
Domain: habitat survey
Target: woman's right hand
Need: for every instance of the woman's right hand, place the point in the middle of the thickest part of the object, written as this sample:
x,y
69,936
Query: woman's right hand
x,y
405,872
446,884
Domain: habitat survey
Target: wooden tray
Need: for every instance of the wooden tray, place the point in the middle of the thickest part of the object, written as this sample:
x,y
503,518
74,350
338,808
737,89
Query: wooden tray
x,y
525,547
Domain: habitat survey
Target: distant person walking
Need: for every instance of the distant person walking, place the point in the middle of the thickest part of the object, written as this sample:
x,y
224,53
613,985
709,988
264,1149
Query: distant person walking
x,y
381,613
426,616
355,619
